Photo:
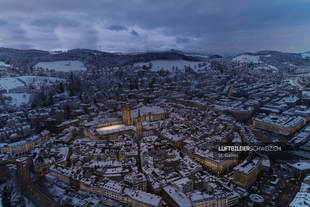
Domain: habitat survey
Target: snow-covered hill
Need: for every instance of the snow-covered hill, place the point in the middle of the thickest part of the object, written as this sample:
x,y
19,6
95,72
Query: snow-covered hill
x,y
266,67
169,65
247,59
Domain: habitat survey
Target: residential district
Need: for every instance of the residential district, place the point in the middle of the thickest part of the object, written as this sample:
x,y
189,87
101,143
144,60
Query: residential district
x,y
133,136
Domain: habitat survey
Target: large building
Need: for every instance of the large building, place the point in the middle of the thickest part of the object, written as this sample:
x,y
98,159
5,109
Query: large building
x,y
302,198
111,190
214,161
109,131
126,115
246,172
200,199
131,123
24,146
148,113
283,124
136,180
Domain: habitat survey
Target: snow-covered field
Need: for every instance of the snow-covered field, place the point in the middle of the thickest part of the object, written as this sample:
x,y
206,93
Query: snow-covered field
x,y
247,59
158,65
3,64
18,99
37,81
25,81
62,66
10,83
22,83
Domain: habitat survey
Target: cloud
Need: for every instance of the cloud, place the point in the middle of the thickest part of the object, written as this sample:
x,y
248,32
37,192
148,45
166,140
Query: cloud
x,y
134,33
182,40
204,25
2,22
115,27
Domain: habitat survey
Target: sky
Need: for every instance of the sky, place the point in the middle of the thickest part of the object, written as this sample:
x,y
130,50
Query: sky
x,y
206,26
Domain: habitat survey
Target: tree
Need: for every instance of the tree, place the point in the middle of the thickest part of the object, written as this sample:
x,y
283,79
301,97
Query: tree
x,y
67,111
151,84
61,87
6,197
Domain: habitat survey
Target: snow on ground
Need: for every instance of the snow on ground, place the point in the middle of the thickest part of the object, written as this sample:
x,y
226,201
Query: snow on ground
x,y
62,66
3,64
305,55
37,81
24,81
247,59
10,83
58,51
157,65
267,67
18,99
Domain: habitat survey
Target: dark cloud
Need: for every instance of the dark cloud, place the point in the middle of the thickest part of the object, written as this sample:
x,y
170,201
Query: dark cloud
x,y
115,27
134,33
205,25
182,40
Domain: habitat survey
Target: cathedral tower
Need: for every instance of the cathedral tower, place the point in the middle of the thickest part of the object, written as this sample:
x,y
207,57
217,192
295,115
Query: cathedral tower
x,y
139,126
126,115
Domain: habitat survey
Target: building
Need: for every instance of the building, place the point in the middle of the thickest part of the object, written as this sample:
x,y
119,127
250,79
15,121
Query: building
x,y
246,172
114,190
136,180
139,129
175,197
302,198
148,113
25,146
184,184
110,130
283,124
126,115
226,199
136,198
214,161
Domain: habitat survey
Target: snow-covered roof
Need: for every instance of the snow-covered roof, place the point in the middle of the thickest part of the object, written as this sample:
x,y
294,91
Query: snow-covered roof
x,y
114,128
144,197
246,166
301,200
177,196
302,166
145,110
113,186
